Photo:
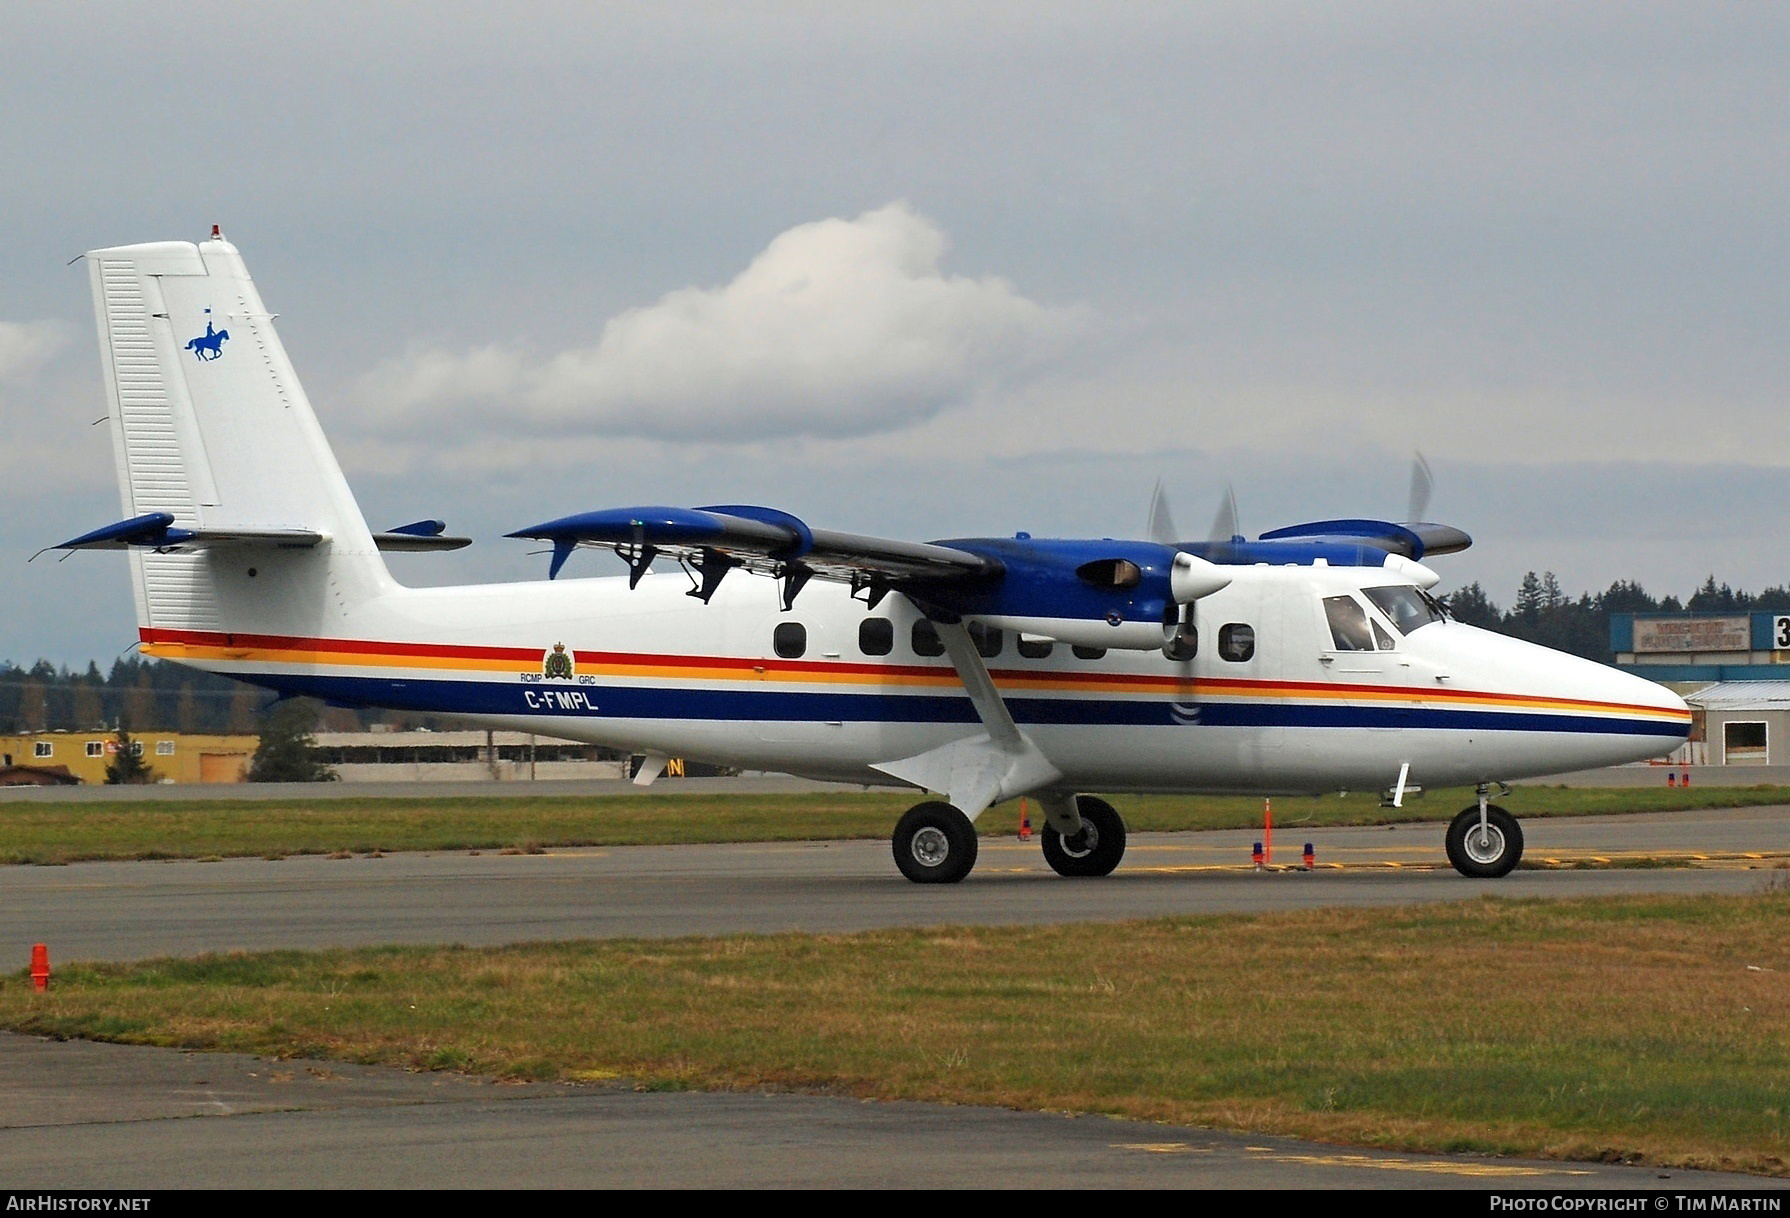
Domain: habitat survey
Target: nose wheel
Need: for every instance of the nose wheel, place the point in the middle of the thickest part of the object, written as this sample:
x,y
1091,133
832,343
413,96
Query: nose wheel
x,y
1485,844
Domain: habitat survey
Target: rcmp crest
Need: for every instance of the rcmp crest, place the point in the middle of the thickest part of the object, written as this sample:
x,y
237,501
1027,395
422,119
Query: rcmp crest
x,y
558,664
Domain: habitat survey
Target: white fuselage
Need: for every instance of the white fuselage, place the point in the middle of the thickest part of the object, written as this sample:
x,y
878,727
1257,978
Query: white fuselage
x,y
655,670
250,557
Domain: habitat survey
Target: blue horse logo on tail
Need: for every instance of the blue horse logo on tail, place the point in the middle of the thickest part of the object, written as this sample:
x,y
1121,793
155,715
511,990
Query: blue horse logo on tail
x,y
209,345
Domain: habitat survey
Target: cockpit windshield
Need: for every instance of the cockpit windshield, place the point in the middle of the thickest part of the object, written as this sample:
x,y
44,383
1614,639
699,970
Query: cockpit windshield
x,y
1409,608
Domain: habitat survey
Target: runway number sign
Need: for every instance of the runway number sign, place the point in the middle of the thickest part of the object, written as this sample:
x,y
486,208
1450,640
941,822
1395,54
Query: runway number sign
x,y
1780,632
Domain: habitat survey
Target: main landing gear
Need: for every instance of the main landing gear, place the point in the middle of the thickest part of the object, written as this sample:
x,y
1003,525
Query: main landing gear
x,y
934,843
1484,841
1095,849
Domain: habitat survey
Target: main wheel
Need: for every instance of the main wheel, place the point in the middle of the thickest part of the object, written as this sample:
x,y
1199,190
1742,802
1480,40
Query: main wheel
x,y
1096,849
934,844
1491,854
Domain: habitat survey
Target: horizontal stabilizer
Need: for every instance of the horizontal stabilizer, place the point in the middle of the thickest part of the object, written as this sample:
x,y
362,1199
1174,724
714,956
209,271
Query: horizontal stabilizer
x,y
418,537
156,530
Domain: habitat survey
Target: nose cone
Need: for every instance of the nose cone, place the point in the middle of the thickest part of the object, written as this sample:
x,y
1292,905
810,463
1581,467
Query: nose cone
x,y
1561,712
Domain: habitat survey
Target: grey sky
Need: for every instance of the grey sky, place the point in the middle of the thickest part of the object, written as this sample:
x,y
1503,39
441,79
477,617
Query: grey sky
x,y
1276,245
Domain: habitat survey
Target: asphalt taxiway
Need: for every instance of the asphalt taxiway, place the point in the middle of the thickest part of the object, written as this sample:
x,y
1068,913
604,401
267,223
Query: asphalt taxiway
x,y
122,911
79,1115
91,1116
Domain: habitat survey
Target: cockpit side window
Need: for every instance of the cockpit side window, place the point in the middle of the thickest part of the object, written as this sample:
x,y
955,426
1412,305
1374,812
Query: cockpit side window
x,y
1407,608
1381,636
1348,624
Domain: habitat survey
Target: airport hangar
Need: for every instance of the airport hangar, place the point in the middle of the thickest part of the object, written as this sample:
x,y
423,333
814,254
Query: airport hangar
x,y
1733,668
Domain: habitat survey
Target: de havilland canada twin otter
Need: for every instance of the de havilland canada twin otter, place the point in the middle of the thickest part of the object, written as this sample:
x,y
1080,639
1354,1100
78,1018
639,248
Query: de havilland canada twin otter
x,y
982,669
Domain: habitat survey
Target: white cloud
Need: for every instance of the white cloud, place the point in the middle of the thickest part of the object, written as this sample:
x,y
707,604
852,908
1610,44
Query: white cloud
x,y
27,346
47,406
838,328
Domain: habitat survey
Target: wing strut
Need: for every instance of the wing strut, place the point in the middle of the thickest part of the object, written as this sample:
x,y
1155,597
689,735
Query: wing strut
x,y
977,771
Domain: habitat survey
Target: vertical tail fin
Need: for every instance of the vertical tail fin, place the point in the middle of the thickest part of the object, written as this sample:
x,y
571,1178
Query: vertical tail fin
x,y
211,426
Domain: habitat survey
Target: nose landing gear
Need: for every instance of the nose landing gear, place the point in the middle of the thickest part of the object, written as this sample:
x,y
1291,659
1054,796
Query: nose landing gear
x,y
1484,841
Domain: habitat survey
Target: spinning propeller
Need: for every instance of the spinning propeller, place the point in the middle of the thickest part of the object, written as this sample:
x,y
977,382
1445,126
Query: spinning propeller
x,y
1412,538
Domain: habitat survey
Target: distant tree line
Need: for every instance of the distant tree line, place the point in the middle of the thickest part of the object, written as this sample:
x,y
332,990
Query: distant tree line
x,y
142,695
1580,625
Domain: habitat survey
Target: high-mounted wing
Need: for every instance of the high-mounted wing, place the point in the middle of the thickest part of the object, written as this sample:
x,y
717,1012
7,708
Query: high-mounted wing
x,y
711,541
1100,593
1412,539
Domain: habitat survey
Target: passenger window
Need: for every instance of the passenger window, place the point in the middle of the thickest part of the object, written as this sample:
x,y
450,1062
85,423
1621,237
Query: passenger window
x,y
1236,642
876,636
1035,648
1087,653
988,640
1348,624
790,639
926,639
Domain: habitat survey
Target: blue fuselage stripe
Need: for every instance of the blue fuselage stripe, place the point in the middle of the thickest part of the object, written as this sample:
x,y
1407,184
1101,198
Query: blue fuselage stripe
x,y
750,705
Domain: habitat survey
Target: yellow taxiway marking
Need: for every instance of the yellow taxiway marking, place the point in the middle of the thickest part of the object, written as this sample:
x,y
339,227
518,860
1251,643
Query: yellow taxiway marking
x,y
1163,1148
1443,1167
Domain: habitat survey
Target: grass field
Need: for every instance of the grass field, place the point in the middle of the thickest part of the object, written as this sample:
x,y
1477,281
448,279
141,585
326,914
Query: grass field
x,y
1642,1029
32,832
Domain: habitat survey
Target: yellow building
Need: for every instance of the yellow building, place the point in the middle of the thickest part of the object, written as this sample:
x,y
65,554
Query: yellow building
x,y
174,756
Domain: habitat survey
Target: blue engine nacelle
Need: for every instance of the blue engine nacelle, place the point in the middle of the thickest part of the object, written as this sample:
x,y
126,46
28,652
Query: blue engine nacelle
x,y
1121,594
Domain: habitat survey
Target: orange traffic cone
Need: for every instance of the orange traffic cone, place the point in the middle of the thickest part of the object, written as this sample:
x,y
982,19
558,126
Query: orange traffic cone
x,y
40,967
1025,823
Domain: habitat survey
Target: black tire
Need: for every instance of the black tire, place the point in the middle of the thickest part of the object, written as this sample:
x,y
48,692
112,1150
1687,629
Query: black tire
x,y
1096,850
1497,855
934,844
